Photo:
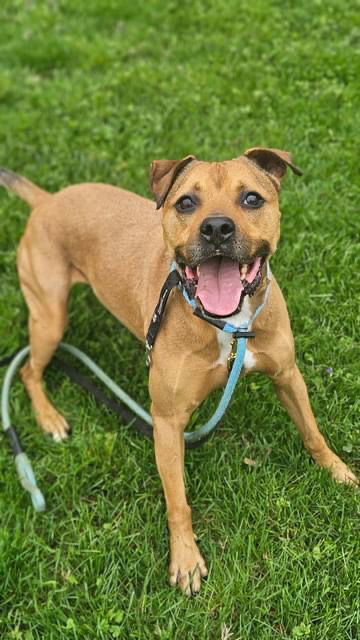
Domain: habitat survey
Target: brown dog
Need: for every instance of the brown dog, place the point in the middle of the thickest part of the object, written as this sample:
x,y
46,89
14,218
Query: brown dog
x,y
220,221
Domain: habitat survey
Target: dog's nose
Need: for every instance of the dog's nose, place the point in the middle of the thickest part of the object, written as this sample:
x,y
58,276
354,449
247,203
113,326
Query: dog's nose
x,y
217,229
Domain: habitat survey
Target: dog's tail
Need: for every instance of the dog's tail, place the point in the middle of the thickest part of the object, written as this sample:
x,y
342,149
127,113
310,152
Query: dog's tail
x,y
27,190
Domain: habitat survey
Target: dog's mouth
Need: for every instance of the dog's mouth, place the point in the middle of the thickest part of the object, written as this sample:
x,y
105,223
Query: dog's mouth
x,y
220,283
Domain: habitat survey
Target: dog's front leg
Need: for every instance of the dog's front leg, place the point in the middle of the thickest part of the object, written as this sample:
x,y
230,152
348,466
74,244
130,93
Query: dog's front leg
x,y
176,390
291,390
186,563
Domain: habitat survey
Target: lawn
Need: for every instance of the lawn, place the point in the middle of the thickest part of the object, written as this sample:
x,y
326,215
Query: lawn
x,y
94,91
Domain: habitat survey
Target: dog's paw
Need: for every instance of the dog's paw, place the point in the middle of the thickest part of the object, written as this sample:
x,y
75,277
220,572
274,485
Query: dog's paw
x,y
341,473
53,423
187,567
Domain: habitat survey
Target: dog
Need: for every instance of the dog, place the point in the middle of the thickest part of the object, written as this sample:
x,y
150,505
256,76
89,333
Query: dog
x,y
220,222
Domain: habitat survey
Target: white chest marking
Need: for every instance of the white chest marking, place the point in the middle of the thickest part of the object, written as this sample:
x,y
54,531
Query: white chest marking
x,y
224,339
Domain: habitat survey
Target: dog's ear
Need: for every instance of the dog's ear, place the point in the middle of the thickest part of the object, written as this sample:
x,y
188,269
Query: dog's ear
x,y
273,161
163,174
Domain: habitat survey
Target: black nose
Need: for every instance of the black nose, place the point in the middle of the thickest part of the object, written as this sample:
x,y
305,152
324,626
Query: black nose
x,y
217,229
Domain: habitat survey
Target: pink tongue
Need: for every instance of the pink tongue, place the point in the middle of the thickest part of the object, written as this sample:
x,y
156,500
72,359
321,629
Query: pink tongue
x,y
219,286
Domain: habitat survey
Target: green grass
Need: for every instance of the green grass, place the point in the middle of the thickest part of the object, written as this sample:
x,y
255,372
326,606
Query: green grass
x,y
94,91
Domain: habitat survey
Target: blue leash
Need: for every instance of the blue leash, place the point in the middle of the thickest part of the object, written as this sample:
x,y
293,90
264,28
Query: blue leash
x,y
212,423
22,462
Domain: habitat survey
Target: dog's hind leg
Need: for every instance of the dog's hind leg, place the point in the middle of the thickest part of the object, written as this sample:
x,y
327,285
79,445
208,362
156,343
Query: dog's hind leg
x,y
45,278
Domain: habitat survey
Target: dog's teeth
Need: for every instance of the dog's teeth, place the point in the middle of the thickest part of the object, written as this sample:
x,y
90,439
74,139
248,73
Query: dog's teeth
x,y
243,271
198,270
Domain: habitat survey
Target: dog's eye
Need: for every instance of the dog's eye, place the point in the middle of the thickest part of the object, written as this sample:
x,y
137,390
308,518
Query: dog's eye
x,y
252,200
185,204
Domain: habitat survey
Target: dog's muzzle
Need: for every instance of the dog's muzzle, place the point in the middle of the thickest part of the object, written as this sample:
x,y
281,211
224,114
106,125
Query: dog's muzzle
x,y
220,268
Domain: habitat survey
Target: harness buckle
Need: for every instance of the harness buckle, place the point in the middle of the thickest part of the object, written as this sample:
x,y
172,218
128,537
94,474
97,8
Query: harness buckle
x,y
232,355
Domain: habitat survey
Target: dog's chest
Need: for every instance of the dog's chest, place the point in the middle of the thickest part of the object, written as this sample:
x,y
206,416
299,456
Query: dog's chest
x,y
224,339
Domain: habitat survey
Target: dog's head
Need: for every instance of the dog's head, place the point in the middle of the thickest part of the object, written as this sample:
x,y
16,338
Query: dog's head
x,y
221,221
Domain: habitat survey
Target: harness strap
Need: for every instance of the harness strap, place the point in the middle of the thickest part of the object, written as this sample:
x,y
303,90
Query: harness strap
x,y
173,280
240,332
